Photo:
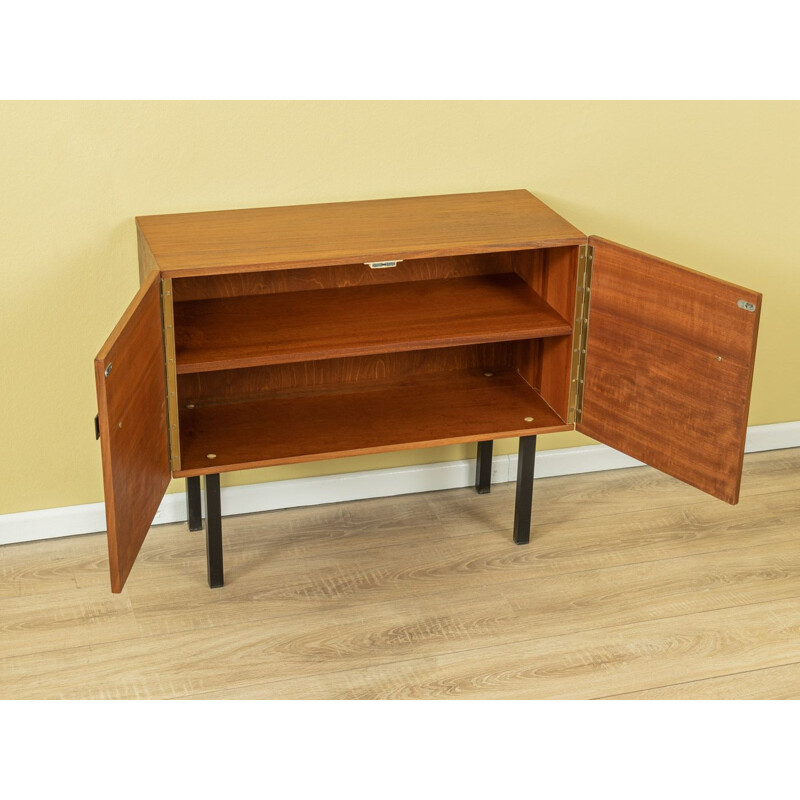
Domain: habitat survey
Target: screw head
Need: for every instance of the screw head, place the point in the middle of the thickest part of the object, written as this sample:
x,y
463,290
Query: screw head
x,y
528,419
211,455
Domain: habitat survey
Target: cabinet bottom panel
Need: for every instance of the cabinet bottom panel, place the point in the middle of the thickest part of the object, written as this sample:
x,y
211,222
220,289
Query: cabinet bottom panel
x,y
420,411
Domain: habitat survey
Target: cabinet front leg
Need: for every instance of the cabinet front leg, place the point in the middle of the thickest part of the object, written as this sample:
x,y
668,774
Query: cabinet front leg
x,y
483,468
213,509
194,510
524,499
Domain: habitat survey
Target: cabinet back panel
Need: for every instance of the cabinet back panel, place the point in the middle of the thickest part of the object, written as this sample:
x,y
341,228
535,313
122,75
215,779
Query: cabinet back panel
x,y
336,374
298,280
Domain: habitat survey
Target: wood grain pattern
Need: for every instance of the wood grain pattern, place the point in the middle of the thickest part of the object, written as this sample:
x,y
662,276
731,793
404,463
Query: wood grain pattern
x,y
329,323
36,623
240,284
583,665
669,367
625,590
593,522
569,591
203,388
255,239
131,402
422,411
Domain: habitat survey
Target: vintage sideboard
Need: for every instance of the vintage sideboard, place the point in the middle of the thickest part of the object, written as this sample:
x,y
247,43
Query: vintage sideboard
x,y
277,335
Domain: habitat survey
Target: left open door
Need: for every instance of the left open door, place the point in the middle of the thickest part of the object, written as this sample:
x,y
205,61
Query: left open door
x,y
132,412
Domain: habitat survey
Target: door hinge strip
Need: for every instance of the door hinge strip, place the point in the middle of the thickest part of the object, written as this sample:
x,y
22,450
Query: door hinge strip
x,y
168,318
580,332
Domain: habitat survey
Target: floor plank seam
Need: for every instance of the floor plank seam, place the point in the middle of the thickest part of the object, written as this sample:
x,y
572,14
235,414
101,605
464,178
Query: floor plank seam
x,y
699,680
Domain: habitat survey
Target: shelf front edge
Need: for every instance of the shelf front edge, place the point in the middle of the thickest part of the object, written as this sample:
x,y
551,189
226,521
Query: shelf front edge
x,y
531,431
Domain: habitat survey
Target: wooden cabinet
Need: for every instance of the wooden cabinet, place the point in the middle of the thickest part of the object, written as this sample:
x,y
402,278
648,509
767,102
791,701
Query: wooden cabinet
x,y
278,335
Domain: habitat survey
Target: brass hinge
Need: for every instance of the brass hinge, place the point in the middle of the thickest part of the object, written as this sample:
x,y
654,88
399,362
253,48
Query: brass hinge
x,y
580,332
168,320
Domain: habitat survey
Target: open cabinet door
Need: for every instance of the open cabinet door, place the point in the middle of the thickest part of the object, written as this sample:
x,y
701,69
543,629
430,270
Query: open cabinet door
x,y
669,366
131,402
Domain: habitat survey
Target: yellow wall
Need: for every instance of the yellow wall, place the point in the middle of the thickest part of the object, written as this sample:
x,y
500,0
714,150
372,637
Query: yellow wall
x,y
715,186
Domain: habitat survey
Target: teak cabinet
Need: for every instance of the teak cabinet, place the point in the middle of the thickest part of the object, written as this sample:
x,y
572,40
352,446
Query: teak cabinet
x,y
278,335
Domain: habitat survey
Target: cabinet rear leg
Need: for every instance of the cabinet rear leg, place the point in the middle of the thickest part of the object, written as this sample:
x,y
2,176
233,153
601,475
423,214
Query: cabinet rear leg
x,y
483,468
213,510
524,499
194,511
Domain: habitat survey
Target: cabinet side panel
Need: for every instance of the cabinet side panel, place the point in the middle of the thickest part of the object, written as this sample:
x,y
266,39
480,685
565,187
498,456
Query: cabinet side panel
x,y
131,397
147,263
529,265
545,363
560,276
669,367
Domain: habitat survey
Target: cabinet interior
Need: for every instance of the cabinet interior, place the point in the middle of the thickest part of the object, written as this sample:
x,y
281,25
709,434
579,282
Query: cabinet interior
x,y
299,364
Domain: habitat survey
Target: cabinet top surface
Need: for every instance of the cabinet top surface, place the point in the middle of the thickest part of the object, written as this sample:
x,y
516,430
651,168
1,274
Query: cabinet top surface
x,y
214,242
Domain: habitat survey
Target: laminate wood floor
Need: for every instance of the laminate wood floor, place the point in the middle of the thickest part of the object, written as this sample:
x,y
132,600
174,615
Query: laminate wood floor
x,y
633,586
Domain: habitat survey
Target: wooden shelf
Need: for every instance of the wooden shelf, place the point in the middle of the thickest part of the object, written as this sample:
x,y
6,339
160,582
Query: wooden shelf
x,y
443,408
227,333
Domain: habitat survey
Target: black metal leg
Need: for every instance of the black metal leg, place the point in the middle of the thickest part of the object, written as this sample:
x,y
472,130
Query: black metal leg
x,y
194,510
483,469
213,510
522,505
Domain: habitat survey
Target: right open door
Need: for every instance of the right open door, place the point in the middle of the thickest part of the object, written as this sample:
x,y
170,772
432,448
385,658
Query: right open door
x,y
669,366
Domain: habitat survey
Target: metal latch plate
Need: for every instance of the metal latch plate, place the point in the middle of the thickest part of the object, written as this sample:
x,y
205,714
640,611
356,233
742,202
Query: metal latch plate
x,y
382,264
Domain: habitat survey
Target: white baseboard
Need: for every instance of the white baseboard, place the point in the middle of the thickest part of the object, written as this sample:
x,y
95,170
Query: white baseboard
x,y
50,523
